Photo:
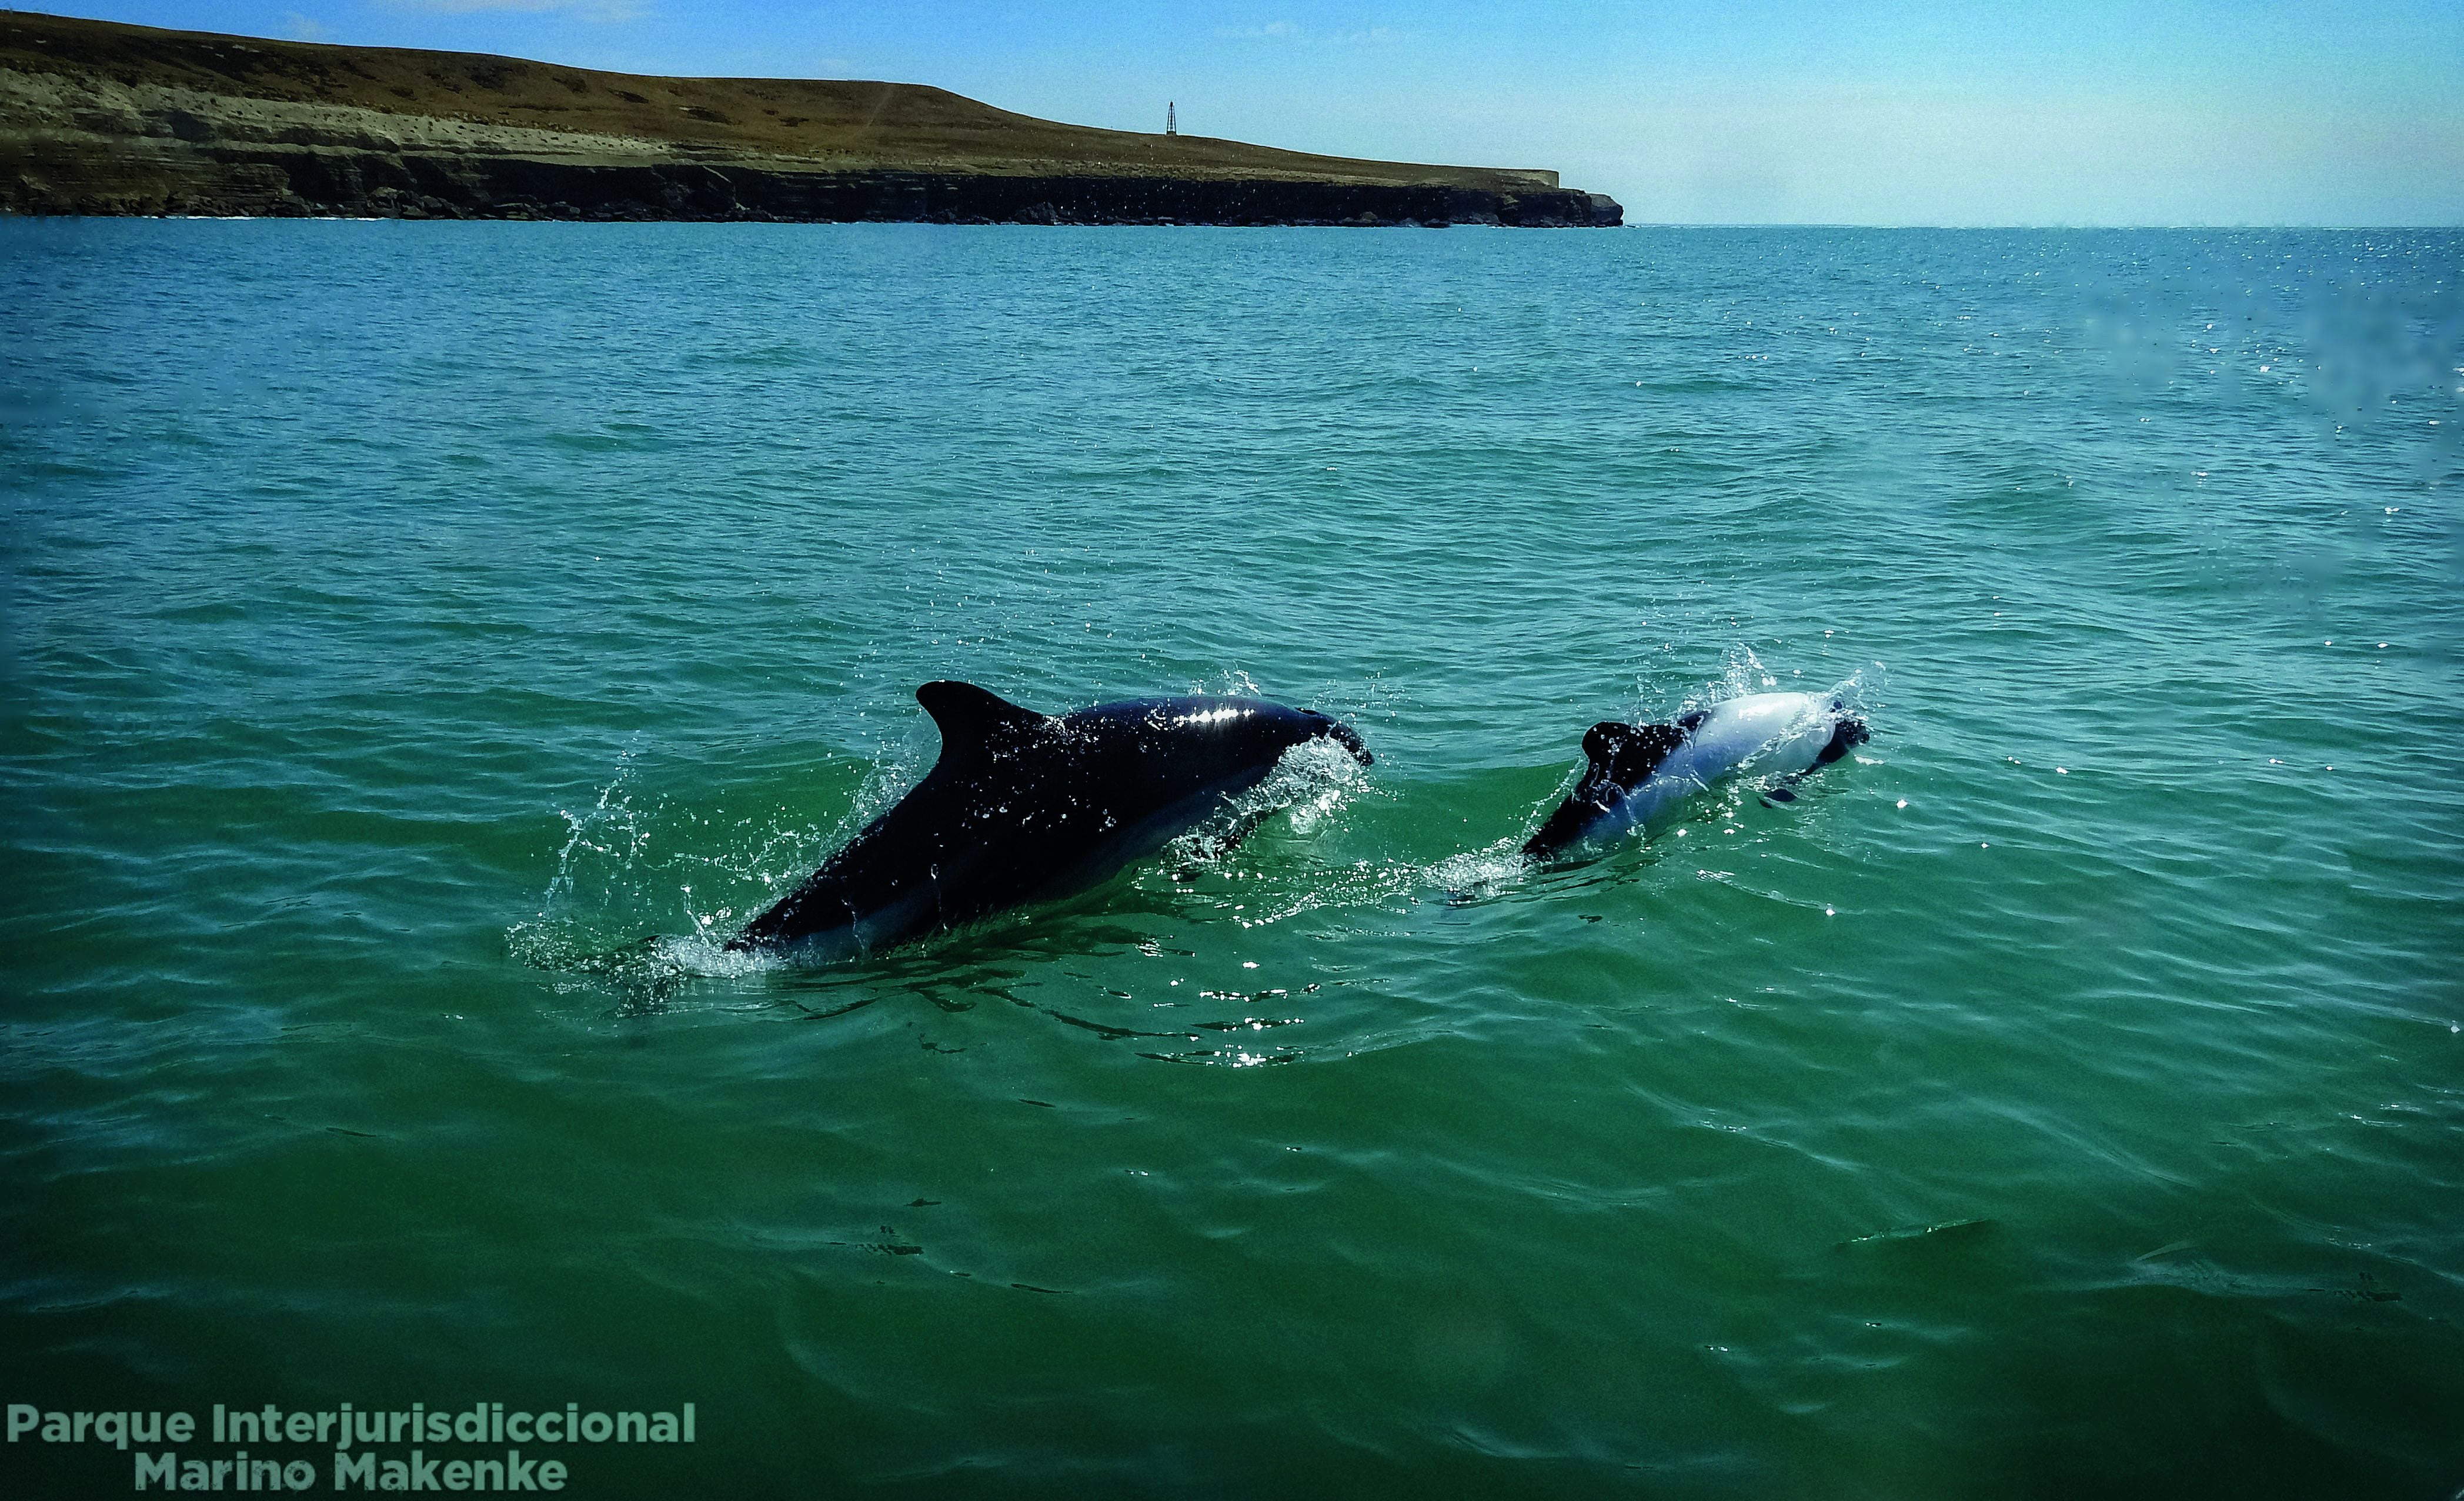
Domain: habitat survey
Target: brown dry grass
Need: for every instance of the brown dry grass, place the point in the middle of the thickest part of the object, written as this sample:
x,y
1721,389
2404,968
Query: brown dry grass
x,y
839,124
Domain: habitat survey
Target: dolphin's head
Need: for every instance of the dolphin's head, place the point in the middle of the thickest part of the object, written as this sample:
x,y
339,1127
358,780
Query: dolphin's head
x,y
1337,730
1847,733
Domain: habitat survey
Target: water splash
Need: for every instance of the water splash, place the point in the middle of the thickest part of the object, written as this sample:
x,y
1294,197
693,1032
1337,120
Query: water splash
x,y
1313,782
1477,874
649,886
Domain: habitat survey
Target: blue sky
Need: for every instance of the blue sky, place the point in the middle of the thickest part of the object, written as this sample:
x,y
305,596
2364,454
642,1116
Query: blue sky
x,y
1852,112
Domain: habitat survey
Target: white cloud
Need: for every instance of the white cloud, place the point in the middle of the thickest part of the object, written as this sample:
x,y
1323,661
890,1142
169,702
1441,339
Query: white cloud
x,y
303,28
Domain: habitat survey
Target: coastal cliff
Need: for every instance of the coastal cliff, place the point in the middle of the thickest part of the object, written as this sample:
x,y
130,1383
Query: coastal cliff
x,y
97,118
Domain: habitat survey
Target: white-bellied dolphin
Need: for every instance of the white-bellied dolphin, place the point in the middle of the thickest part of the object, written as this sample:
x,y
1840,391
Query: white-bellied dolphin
x,y
1025,807
1633,771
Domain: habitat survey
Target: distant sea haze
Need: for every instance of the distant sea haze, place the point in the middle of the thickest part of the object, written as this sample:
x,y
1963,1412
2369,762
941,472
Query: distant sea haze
x,y
427,644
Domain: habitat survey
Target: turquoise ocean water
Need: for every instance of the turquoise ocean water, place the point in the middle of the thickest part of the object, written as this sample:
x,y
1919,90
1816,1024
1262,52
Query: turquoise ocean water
x,y
404,623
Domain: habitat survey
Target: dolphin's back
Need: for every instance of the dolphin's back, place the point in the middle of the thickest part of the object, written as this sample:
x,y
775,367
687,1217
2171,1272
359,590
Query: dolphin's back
x,y
1785,731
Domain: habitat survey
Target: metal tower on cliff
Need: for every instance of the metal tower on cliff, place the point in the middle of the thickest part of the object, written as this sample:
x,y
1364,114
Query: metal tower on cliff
x,y
1169,127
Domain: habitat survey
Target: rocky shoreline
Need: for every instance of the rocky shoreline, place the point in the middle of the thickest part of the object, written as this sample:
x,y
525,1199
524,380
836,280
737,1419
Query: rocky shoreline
x,y
327,181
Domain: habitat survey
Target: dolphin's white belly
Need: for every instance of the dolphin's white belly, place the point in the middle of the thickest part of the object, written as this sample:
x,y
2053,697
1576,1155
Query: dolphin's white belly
x,y
1785,731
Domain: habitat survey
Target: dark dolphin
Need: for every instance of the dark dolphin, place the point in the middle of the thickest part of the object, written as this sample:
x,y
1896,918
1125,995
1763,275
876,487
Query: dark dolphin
x,y
1025,807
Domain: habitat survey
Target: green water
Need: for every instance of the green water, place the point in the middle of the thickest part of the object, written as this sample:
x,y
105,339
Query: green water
x,y
2065,1096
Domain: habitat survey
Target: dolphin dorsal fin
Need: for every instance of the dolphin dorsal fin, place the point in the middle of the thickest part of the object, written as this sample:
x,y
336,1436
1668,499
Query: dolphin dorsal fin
x,y
1600,742
975,723
1629,750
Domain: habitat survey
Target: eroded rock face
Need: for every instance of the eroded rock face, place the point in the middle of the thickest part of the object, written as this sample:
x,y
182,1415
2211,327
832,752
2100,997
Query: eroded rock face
x,y
156,123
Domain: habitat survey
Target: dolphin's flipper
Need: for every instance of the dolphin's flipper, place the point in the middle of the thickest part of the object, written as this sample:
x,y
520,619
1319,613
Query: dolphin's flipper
x,y
975,723
1216,846
1845,736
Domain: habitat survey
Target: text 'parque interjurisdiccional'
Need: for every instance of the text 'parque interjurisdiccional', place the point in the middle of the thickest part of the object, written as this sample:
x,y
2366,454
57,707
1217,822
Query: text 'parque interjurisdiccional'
x,y
367,1443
